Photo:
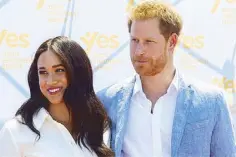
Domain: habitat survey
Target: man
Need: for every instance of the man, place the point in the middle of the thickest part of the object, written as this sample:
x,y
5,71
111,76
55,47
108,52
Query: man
x,y
158,113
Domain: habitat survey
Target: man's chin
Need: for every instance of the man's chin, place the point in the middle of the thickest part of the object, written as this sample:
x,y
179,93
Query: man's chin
x,y
147,73
144,73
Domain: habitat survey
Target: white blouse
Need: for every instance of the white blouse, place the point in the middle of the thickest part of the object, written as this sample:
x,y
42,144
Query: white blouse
x,y
17,140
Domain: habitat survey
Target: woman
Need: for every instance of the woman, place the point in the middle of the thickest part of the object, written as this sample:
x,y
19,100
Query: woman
x,y
63,117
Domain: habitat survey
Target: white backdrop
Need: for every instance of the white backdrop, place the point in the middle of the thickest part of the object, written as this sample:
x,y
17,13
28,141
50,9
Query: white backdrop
x,y
206,49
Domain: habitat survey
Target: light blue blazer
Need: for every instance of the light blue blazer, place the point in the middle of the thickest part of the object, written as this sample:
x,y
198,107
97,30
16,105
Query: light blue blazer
x,y
202,126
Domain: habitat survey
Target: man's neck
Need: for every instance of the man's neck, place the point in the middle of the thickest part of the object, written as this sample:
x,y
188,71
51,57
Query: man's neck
x,y
156,86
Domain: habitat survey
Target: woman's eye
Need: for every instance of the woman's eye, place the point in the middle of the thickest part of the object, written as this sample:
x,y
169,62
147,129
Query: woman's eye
x,y
60,70
42,72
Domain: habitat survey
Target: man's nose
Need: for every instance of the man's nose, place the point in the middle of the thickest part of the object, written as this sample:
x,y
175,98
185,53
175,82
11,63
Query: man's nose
x,y
140,49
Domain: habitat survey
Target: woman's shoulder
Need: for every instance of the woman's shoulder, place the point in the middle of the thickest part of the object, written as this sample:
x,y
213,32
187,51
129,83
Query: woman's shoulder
x,y
13,124
16,127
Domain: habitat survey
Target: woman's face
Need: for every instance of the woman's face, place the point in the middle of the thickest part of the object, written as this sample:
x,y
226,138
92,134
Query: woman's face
x,y
52,77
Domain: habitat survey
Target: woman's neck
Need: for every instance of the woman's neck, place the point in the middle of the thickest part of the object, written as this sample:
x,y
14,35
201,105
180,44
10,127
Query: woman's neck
x,y
60,113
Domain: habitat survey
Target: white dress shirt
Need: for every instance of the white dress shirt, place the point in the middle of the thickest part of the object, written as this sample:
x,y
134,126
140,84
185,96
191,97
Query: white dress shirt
x,y
17,140
149,134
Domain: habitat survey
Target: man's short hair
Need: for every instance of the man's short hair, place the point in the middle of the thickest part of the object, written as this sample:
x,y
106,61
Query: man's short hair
x,y
169,20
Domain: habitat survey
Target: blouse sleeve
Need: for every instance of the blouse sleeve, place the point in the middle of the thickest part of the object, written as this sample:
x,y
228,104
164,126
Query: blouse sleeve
x,y
106,137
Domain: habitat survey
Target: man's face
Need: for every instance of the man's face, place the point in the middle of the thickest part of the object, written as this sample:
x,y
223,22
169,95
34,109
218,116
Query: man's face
x,y
148,47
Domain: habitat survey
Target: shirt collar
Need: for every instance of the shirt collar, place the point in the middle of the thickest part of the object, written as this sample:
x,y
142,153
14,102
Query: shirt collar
x,y
40,117
173,86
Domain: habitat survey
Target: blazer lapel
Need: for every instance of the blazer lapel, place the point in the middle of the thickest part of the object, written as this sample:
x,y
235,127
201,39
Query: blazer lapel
x,y
182,104
124,98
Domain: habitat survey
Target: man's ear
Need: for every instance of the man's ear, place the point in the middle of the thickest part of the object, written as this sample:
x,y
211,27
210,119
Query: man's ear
x,y
172,42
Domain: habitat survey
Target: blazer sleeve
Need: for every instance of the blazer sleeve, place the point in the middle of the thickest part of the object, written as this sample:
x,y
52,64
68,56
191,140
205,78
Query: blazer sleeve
x,y
8,146
223,139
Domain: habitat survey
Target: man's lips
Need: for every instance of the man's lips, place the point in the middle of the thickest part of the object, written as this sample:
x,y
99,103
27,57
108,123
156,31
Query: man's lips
x,y
141,61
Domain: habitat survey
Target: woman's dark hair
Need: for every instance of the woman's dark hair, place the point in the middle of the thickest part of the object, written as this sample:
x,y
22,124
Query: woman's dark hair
x,y
89,118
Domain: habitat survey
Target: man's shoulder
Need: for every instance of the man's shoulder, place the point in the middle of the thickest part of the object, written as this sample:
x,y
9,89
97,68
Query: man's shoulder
x,y
205,100
203,88
110,96
112,90
206,94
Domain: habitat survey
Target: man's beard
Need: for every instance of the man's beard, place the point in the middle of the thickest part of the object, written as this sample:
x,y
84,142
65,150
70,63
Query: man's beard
x,y
153,67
